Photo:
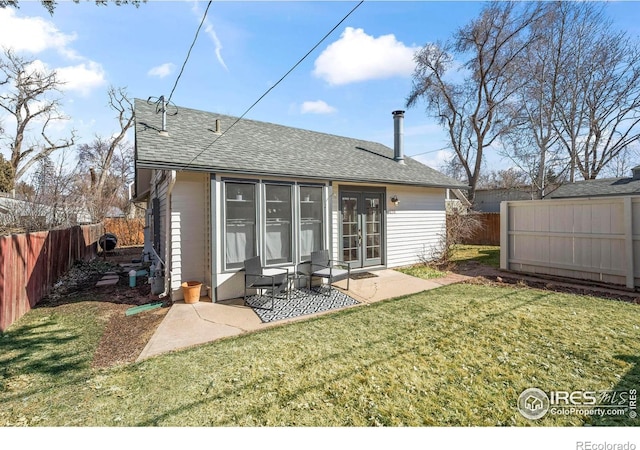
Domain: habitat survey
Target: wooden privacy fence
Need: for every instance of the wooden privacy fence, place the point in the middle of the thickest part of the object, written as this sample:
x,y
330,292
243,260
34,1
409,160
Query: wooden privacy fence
x,y
130,232
489,231
30,263
595,239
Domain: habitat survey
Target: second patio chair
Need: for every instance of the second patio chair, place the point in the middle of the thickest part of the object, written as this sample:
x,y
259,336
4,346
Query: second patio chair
x,y
255,278
323,267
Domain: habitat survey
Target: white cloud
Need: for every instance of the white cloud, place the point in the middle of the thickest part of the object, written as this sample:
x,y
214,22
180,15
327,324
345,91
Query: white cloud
x,y
209,30
32,34
356,56
82,77
162,70
316,107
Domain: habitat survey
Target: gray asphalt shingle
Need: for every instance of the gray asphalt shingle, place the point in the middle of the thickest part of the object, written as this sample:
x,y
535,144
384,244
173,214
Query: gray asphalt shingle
x,y
252,147
597,188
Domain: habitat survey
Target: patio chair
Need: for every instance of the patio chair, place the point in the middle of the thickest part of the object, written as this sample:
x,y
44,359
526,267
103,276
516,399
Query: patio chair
x,y
323,267
254,278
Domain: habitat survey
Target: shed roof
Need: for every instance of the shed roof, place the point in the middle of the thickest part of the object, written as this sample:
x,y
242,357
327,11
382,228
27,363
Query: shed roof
x,y
261,148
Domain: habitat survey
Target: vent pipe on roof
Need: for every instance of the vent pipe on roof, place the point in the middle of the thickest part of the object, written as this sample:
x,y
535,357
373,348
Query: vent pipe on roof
x,y
163,110
636,172
398,132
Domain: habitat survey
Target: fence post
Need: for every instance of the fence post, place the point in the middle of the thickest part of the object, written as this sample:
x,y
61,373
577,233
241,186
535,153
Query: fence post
x,y
504,235
628,241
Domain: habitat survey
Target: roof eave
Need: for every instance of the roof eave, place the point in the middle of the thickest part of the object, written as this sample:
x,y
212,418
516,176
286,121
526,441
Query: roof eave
x,y
172,166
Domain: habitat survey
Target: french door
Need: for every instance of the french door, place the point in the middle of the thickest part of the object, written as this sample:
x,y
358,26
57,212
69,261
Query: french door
x,y
361,215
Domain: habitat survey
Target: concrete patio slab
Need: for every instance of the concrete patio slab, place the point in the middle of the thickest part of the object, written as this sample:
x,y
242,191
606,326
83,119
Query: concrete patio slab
x,y
186,325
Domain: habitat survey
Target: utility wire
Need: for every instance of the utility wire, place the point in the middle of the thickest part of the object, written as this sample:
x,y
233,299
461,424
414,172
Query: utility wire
x,y
189,52
430,151
272,87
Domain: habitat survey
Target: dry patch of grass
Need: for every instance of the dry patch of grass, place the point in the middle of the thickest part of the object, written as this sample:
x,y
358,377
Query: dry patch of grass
x,y
484,254
424,271
454,356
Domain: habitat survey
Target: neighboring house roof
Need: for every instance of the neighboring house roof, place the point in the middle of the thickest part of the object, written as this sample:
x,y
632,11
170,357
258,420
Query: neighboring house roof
x,y
260,148
598,188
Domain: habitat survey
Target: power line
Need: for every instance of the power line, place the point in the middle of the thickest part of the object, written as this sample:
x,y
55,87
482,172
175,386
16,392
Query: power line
x,y
189,52
272,87
430,151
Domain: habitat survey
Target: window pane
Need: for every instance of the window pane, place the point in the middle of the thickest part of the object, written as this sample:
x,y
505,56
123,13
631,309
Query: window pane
x,y
240,220
311,220
278,227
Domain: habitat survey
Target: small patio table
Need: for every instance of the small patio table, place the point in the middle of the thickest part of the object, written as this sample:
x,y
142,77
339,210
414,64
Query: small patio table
x,y
295,278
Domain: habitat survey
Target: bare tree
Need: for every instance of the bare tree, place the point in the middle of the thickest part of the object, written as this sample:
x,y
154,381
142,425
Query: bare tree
x,y
510,178
599,112
472,110
6,175
31,105
108,161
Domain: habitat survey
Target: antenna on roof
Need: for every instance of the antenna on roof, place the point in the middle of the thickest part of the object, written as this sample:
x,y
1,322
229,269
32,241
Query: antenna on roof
x,y
162,107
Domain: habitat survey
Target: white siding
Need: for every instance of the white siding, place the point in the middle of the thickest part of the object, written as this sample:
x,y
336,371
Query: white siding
x,y
189,232
415,226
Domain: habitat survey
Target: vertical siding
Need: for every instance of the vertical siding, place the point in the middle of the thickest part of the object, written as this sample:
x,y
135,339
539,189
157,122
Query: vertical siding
x,y
592,239
415,226
189,242
31,263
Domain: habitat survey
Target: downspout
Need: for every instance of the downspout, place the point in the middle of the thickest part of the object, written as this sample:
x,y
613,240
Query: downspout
x,y
167,237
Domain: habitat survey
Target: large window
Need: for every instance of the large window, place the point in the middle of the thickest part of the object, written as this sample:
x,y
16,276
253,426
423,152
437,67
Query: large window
x,y
240,218
278,224
311,215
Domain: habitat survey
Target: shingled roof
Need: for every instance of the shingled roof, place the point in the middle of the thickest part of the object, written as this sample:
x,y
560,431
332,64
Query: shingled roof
x,y
599,188
260,148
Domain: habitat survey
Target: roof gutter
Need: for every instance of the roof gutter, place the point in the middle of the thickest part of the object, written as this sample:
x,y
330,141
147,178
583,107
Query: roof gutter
x,y
173,166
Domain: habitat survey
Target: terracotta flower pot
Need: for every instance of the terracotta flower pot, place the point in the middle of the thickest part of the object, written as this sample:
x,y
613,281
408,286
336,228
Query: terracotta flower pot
x,y
191,291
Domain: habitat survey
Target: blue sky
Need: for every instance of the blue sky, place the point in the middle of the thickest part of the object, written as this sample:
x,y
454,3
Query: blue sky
x,y
348,86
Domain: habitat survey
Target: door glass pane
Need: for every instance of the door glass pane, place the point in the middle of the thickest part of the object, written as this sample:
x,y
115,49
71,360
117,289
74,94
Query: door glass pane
x,y
240,223
278,226
350,244
373,217
311,220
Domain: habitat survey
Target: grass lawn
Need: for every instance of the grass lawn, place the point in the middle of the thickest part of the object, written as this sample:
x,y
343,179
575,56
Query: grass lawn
x,y
457,355
484,254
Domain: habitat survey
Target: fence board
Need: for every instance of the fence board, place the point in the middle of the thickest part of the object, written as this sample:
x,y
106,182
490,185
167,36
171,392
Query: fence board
x,y
489,231
587,238
31,263
130,232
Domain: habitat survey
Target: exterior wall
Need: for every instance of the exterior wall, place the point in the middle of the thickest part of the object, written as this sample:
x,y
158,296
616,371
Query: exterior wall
x,y
413,227
488,200
189,252
159,186
592,239
229,284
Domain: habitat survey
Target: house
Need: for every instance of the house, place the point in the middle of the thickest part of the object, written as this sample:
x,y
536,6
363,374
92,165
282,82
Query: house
x,y
488,200
220,190
605,187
